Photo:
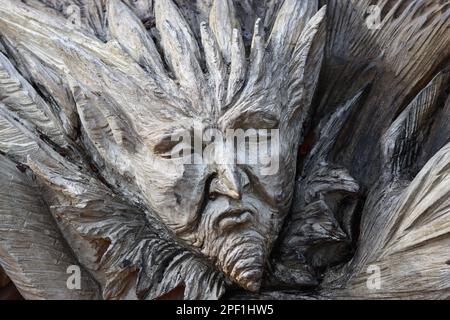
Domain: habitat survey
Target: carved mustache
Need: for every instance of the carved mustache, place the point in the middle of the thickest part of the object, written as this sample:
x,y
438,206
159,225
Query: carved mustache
x,y
221,218
231,218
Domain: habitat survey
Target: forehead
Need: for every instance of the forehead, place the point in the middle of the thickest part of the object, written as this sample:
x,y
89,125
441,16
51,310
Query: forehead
x,y
260,116
259,119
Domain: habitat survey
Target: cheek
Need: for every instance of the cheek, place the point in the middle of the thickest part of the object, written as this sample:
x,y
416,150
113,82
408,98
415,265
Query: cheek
x,y
277,189
174,191
287,175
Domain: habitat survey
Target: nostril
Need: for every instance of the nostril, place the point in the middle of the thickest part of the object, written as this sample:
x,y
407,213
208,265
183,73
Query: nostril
x,y
212,191
218,187
245,180
228,181
210,186
234,195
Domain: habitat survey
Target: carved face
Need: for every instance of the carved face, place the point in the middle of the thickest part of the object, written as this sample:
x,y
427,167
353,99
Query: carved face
x,y
228,209
139,119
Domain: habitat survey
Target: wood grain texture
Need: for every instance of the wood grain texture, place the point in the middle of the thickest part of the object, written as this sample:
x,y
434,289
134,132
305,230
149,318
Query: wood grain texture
x,y
93,92
33,252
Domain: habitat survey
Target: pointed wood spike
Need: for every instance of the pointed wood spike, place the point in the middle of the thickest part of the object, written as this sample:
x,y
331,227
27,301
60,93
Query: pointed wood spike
x,y
129,31
181,51
214,62
257,52
22,99
304,65
238,66
15,142
223,21
402,141
289,24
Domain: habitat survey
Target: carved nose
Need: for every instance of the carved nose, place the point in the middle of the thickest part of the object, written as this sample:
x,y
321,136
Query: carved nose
x,y
229,182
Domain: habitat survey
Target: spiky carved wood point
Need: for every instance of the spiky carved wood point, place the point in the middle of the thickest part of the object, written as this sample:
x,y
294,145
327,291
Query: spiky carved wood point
x,y
92,91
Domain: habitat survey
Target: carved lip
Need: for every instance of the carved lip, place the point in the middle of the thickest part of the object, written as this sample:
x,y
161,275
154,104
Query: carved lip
x,y
232,217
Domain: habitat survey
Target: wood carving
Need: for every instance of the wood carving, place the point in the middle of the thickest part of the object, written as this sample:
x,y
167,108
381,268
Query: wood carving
x,y
225,149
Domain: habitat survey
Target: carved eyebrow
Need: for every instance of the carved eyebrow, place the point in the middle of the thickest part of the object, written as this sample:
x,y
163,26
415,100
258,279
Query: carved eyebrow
x,y
164,145
165,142
255,120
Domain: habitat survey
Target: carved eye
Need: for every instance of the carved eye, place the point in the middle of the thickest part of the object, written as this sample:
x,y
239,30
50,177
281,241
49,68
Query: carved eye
x,y
165,147
171,148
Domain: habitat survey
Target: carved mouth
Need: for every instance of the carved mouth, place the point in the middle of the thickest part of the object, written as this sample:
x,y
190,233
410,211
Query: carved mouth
x,y
231,218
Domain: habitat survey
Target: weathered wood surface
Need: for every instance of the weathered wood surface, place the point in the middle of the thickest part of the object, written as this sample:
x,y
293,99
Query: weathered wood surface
x,y
87,104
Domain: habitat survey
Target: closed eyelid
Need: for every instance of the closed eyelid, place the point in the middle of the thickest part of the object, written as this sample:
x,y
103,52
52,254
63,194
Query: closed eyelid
x,y
164,146
254,121
168,140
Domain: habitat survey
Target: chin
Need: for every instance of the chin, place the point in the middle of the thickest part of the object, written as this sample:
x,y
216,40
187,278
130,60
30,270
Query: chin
x,y
237,238
241,256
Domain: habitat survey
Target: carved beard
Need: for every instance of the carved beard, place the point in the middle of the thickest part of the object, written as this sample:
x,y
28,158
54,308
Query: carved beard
x,y
237,236
126,101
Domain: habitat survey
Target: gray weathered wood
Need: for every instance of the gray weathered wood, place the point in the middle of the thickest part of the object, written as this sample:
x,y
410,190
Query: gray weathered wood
x,y
92,94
